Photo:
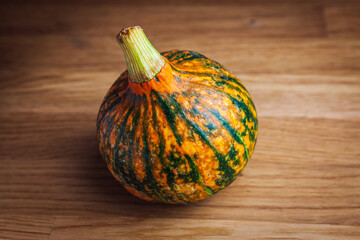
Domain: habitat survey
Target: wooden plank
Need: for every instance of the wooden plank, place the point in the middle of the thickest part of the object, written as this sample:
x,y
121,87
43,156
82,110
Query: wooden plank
x,y
325,71
342,19
25,227
295,181
235,20
173,228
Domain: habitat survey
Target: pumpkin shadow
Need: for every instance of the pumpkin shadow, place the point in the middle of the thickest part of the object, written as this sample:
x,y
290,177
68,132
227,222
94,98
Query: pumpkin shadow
x,y
111,198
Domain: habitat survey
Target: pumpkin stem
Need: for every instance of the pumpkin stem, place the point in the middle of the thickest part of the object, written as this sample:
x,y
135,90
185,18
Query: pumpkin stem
x,y
142,59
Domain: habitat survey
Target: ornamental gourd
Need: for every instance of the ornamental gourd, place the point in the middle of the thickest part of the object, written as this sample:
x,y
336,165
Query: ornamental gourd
x,y
175,127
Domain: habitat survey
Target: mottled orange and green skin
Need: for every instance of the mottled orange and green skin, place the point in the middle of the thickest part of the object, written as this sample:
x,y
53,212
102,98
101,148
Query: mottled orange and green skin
x,y
182,136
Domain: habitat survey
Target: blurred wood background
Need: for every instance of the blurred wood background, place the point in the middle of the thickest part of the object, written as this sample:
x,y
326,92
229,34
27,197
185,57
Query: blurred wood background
x,y
300,61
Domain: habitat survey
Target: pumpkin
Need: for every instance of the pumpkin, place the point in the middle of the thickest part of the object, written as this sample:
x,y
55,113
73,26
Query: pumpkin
x,y
175,127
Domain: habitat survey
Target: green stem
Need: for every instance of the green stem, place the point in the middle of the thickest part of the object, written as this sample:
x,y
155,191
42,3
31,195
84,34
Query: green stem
x,y
142,59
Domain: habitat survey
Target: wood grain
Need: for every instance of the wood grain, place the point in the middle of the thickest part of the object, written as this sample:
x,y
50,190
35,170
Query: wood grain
x,y
299,60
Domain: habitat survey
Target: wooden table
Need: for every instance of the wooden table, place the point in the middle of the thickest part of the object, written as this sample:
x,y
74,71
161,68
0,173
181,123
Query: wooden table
x,y
300,61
